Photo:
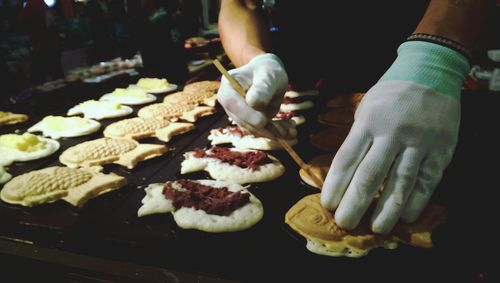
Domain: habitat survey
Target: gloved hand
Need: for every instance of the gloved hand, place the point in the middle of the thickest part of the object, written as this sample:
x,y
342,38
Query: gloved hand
x,y
405,132
266,81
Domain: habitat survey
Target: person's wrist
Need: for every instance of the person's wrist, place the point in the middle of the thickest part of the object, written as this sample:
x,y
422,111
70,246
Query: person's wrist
x,y
265,57
429,64
446,42
246,54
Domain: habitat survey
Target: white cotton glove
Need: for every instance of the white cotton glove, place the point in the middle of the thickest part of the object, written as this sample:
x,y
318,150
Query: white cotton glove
x,y
405,132
266,82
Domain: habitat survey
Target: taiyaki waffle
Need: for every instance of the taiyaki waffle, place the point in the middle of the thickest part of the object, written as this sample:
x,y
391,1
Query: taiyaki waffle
x,y
324,237
337,117
174,112
329,139
140,128
75,186
8,118
125,152
205,98
319,166
202,86
346,100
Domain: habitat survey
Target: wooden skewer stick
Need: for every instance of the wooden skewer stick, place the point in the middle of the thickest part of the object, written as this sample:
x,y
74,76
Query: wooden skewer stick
x,y
282,142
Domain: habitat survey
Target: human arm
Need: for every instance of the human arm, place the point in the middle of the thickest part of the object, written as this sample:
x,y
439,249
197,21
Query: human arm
x,y
246,40
406,126
463,21
243,32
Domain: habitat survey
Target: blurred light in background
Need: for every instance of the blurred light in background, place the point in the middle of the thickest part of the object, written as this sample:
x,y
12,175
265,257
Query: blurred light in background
x,y
50,3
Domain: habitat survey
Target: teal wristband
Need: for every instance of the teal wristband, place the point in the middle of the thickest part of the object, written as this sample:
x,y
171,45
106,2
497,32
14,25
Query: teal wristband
x,y
431,65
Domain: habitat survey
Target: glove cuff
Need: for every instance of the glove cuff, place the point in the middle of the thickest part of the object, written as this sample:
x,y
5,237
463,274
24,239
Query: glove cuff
x,y
267,56
431,65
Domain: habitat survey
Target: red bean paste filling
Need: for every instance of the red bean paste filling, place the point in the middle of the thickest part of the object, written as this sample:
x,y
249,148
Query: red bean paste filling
x,y
250,159
218,201
235,130
285,115
294,100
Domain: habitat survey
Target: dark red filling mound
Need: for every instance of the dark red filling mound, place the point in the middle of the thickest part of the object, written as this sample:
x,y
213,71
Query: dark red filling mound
x,y
285,115
287,100
235,130
218,201
293,100
251,159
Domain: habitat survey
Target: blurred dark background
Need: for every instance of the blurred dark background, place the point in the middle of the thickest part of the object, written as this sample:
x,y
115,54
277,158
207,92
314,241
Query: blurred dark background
x,y
47,40
44,40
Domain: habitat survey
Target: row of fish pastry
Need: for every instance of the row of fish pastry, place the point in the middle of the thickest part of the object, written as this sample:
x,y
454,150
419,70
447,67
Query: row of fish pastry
x,y
29,147
224,204
119,145
26,147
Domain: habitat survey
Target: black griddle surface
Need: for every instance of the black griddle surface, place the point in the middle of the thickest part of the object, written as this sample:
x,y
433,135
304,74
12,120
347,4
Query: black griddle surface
x,y
107,227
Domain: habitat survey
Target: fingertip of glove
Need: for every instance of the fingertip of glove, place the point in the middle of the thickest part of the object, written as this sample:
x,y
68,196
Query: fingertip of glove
x,y
227,96
379,227
292,132
409,215
257,97
259,121
254,102
413,208
326,200
344,220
